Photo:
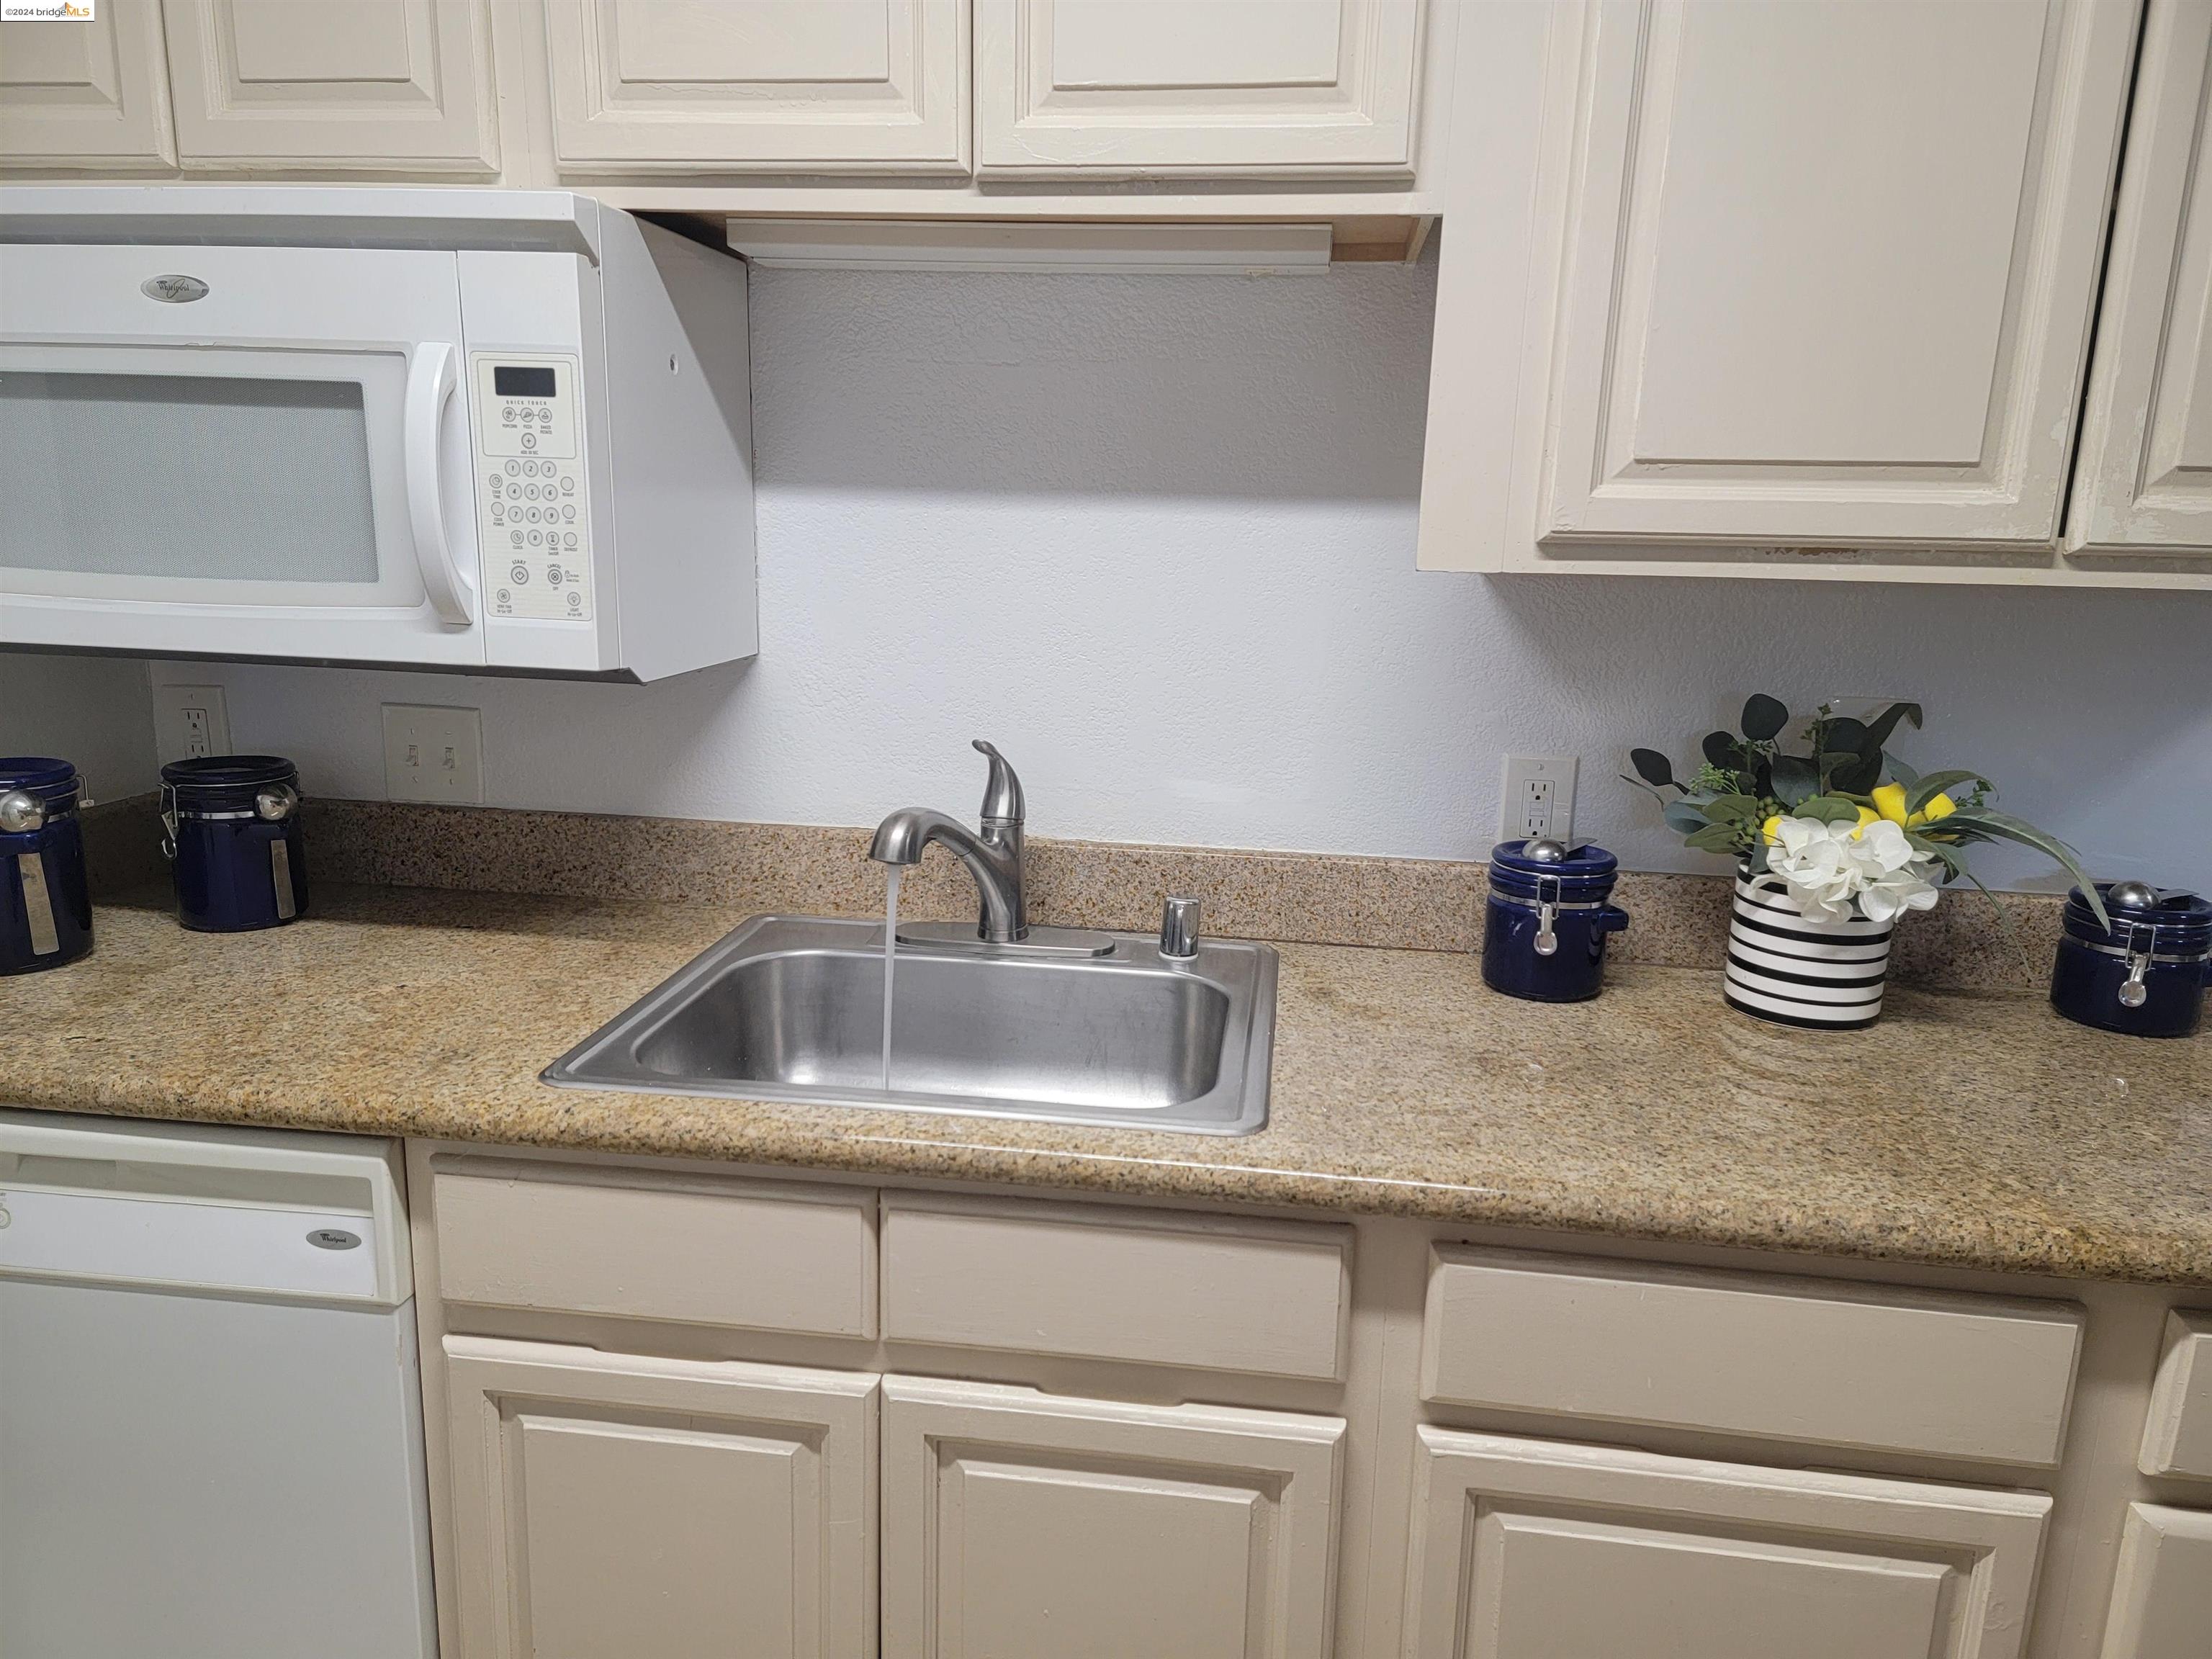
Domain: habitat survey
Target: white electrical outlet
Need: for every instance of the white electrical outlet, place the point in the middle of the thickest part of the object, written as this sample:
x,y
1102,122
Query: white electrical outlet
x,y
189,721
1538,798
434,754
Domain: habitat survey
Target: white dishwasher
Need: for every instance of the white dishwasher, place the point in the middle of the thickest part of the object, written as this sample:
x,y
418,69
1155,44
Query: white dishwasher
x,y
210,1420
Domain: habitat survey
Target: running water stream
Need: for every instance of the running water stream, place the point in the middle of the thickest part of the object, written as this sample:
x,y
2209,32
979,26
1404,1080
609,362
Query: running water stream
x,y
890,956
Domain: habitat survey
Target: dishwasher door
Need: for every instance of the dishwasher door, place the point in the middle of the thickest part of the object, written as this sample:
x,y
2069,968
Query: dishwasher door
x,y
210,1421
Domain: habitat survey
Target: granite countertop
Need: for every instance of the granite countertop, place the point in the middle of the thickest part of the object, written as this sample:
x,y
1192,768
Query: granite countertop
x,y
1974,1130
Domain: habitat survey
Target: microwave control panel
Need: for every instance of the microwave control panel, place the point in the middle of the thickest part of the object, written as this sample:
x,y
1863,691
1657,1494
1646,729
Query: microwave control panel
x,y
533,523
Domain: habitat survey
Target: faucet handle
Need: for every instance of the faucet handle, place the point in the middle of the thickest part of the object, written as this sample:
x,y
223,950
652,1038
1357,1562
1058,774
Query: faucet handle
x,y
1002,792
1179,929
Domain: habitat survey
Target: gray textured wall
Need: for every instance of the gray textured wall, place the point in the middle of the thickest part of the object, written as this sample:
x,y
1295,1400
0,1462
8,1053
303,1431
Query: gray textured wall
x,y
1155,536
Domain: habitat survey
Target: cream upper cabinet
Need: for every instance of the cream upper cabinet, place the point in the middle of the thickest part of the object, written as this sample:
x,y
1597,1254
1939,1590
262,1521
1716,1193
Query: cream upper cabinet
x,y
398,85
1826,269
2162,1594
2144,484
87,94
1137,88
1531,1550
606,1504
1017,1523
760,86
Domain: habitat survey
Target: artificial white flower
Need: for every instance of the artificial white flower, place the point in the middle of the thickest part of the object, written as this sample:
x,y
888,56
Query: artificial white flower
x,y
1835,871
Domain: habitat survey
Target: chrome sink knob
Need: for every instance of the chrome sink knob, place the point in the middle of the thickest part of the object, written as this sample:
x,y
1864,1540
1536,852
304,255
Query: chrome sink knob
x,y
1179,929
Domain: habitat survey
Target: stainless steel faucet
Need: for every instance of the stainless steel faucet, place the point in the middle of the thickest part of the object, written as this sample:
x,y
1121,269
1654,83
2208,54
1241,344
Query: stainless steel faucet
x,y
992,854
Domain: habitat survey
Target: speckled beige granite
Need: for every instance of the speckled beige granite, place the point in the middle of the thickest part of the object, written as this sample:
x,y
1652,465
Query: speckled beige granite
x,y
1973,1130
1416,904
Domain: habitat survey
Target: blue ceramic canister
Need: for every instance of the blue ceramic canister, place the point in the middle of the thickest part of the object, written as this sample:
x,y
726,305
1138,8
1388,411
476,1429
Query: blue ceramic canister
x,y
231,824
45,900
2146,974
1549,912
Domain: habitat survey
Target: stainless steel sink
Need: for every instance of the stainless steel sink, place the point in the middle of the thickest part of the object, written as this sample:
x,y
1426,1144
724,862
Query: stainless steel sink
x,y
790,1008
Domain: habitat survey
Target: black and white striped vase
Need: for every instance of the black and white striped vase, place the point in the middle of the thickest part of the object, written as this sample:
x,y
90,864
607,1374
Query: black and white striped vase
x,y
1786,967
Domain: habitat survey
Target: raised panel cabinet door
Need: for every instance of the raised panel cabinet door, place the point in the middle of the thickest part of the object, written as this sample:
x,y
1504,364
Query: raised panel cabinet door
x,y
605,1504
2178,1429
1018,1525
1828,269
90,95
2144,482
334,85
1233,89
1527,1549
2162,1590
760,86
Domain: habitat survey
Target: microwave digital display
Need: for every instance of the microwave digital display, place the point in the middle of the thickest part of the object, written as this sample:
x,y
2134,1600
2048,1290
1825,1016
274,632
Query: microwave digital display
x,y
515,380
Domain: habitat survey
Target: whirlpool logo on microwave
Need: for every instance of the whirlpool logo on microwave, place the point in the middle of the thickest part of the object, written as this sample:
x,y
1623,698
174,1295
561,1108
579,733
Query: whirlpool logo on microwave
x,y
175,290
47,11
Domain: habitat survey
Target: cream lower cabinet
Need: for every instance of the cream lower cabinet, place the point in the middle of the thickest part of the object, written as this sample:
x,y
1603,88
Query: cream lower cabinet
x,y
1018,1525
1527,1549
608,1505
2163,1596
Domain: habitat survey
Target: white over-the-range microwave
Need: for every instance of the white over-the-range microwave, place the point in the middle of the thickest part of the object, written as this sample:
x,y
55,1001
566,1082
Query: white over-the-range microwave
x,y
504,431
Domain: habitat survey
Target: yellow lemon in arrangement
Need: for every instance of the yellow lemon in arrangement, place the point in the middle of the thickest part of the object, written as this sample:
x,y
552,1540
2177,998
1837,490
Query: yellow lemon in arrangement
x,y
1890,800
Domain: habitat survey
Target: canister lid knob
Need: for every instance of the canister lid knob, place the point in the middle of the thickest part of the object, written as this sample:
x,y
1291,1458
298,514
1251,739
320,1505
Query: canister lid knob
x,y
21,811
2131,894
276,803
1545,850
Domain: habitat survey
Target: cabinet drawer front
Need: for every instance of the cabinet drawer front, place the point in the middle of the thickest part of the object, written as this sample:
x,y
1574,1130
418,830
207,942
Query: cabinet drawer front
x,y
2178,1436
770,1258
1523,1549
1267,1297
1889,1369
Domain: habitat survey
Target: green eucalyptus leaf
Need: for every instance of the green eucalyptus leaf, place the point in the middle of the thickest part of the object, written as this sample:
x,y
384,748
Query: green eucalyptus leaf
x,y
1731,809
1722,749
1857,775
1795,779
1829,809
1843,736
1898,773
1884,723
1921,791
1685,819
1652,766
1715,838
1763,717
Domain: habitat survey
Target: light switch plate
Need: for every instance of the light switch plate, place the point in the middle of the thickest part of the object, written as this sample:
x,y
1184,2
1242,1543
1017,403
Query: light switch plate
x,y
189,721
433,754
1538,798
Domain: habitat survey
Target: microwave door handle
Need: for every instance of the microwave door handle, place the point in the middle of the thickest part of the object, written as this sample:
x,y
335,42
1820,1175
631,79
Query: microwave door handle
x,y
430,380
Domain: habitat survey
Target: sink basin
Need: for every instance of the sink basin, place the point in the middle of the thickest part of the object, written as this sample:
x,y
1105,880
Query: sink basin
x,y
791,1008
